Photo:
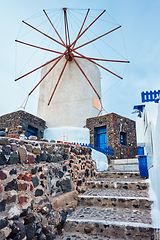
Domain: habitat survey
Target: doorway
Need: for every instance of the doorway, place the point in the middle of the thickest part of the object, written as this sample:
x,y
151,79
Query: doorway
x,y
101,138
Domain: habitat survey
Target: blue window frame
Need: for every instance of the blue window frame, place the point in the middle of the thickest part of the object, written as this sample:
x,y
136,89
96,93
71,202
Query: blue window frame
x,y
32,131
123,138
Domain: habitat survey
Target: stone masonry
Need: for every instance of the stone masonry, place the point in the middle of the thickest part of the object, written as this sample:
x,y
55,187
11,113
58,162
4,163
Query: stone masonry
x,y
11,121
114,125
39,182
116,205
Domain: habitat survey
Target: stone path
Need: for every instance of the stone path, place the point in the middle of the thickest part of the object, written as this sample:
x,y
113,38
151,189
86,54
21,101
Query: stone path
x,y
108,215
80,236
115,206
127,184
125,180
115,192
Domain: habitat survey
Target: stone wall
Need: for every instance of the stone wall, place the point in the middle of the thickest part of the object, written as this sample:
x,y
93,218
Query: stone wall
x,y
39,182
24,119
114,125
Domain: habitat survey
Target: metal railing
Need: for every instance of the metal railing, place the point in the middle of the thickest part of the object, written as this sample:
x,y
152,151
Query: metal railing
x,y
105,150
150,96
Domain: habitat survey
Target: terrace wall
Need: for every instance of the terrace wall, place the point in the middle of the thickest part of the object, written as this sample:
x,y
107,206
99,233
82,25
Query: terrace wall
x,y
40,179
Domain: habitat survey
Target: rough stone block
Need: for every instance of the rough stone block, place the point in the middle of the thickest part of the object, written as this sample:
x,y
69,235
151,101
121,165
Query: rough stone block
x,y
27,177
35,181
29,147
14,158
14,212
3,160
11,199
14,147
22,186
31,187
30,218
65,201
42,176
11,185
18,227
38,192
13,171
3,223
43,156
3,176
1,188
22,199
34,170
4,233
2,205
4,141
50,150
30,159
36,151
22,154
6,150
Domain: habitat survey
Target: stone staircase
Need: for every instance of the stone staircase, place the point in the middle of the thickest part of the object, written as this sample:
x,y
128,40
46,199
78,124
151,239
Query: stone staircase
x,y
125,164
115,206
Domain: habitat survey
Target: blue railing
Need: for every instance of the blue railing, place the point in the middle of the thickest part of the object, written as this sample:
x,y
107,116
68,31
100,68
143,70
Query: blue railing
x,y
83,144
105,150
150,96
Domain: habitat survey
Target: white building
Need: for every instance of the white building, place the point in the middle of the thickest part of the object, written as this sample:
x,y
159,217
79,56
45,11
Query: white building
x,y
148,142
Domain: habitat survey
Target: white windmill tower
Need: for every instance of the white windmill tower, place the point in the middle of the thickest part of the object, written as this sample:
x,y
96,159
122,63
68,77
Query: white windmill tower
x,y
70,87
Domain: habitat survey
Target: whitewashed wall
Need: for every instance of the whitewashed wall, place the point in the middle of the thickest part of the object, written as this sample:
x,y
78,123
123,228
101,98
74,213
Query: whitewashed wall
x,y
155,171
145,128
140,132
148,130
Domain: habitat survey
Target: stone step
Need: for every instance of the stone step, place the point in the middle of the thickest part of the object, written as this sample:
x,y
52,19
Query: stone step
x,y
125,167
84,236
118,183
131,164
114,222
115,198
119,174
124,161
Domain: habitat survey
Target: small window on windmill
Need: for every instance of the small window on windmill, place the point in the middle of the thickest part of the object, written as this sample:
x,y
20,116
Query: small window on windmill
x,y
123,138
31,131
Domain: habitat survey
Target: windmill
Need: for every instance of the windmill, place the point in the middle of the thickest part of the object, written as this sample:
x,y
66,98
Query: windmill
x,y
70,77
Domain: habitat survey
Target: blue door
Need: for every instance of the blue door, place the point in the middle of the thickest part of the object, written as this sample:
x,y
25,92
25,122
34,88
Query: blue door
x,y
101,138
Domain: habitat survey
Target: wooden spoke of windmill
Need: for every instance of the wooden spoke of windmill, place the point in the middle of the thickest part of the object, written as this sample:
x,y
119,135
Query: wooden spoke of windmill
x,y
70,51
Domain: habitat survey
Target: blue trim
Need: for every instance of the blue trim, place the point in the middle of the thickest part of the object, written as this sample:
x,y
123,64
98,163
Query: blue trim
x,y
140,151
143,166
139,108
101,138
142,162
150,96
106,150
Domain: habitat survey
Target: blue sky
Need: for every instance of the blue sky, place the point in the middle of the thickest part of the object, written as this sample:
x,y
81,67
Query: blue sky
x,y
140,32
